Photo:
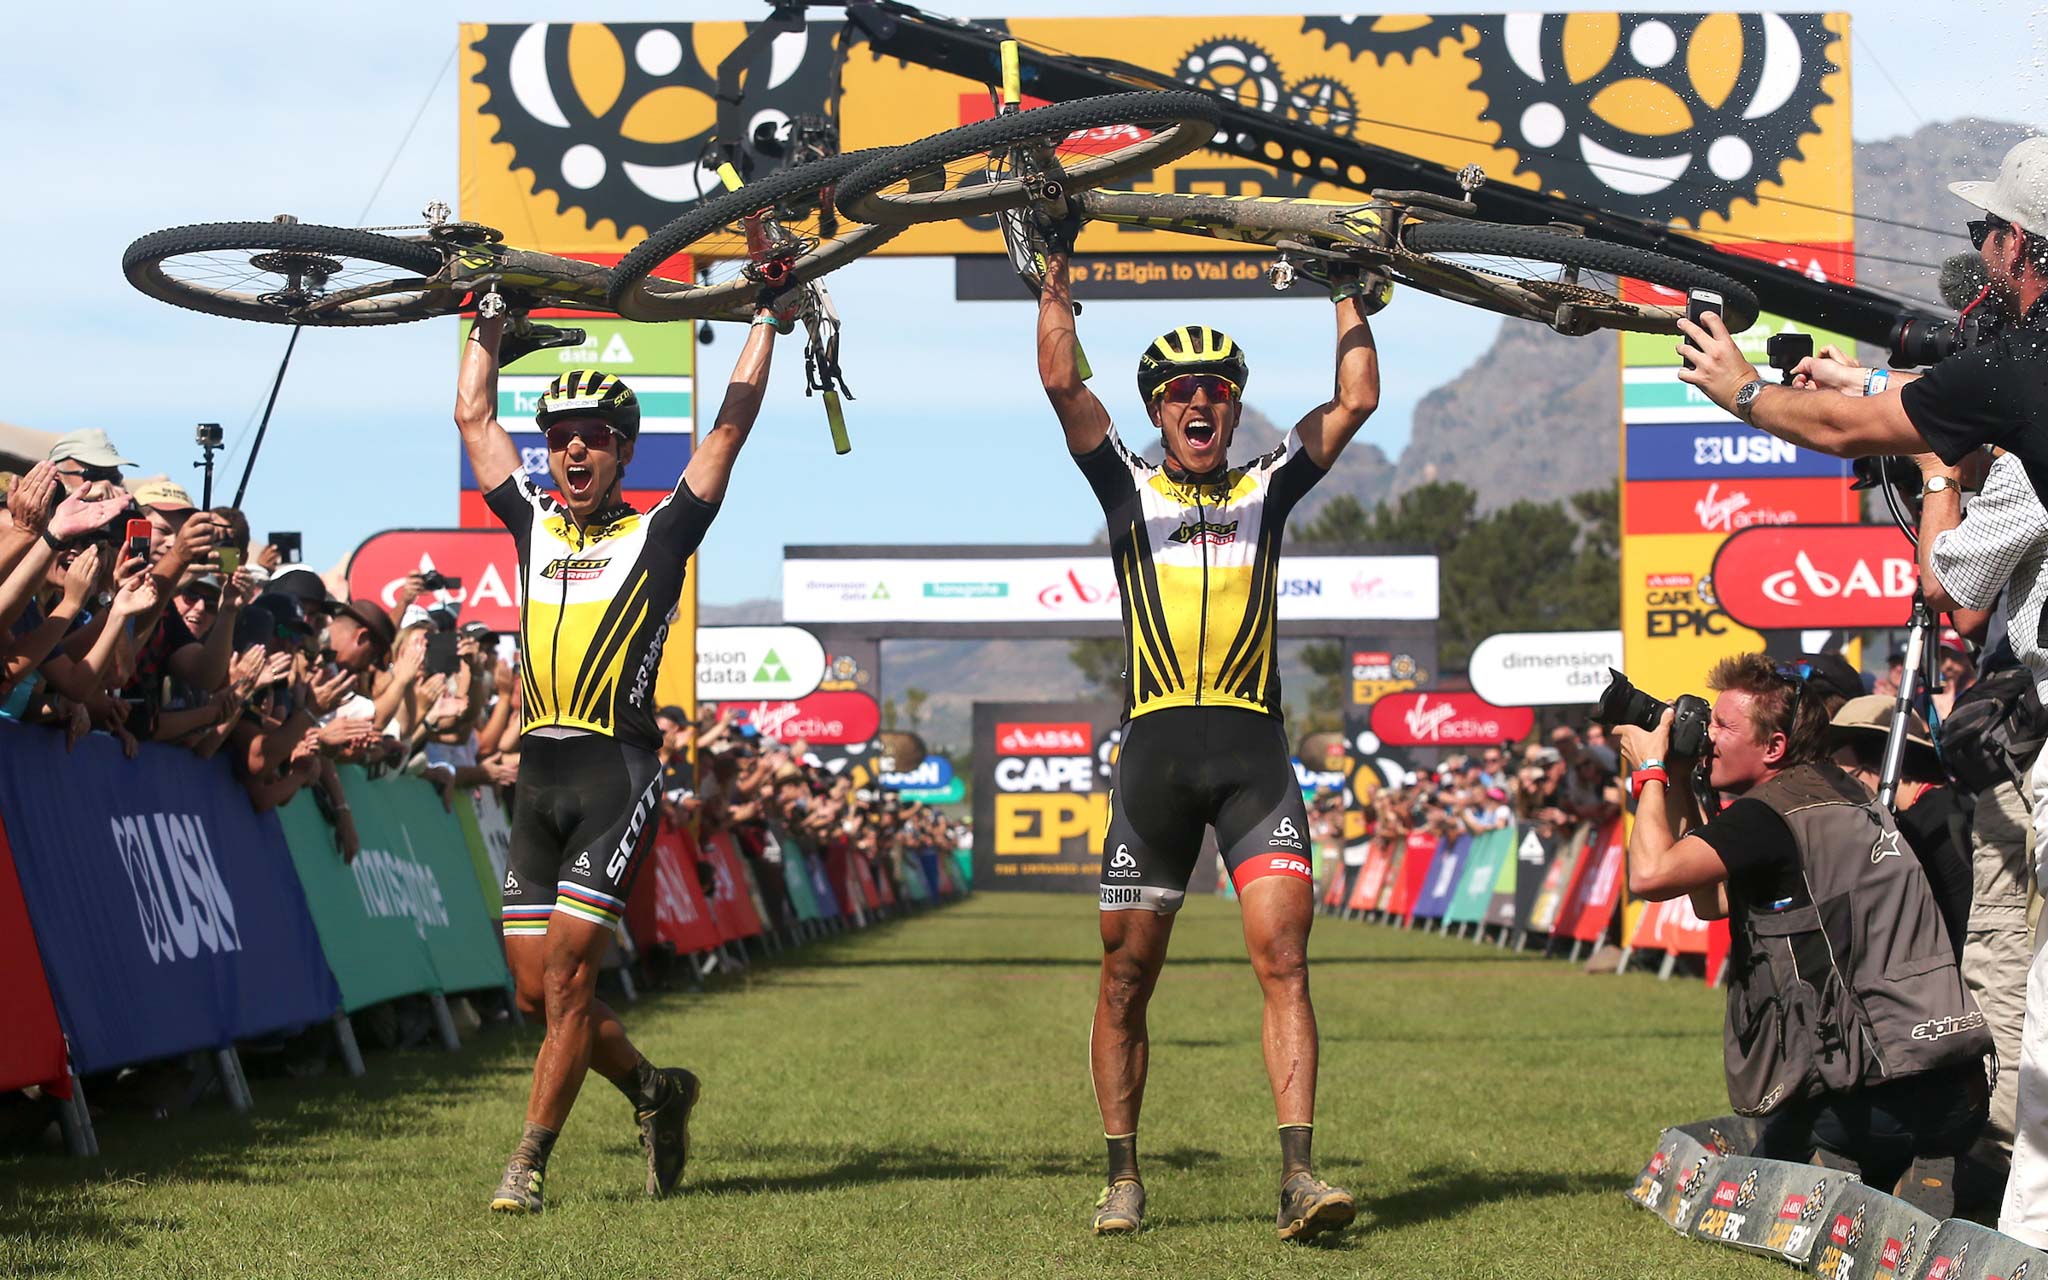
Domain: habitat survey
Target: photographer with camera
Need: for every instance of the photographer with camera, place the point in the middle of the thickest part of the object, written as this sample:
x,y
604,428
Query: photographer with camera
x,y
1994,390
1849,1029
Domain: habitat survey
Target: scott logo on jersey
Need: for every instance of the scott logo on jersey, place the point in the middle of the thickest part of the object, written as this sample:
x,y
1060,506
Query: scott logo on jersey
x,y
567,569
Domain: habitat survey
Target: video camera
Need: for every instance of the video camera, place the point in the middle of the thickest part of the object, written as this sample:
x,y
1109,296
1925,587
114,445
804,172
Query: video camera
x,y
1918,340
1623,703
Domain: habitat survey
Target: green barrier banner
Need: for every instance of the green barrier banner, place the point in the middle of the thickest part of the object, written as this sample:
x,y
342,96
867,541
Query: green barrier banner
x,y
796,879
479,852
366,914
1482,868
915,886
963,861
414,845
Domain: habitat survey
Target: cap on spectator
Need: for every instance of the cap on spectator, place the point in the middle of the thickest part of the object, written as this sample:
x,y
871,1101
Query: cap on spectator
x,y
1496,795
209,582
304,586
1832,676
373,619
90,446
673,714
164,495
1547,756
442,617
1602,755
1872,713
1952,639
2019,193
788,772
477,628
286,610
415,616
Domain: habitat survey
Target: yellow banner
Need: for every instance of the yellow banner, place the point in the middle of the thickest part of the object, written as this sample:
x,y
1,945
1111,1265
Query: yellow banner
x,y
580,138
1672,627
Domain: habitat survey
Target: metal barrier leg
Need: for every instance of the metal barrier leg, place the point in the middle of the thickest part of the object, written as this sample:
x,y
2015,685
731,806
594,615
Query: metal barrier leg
x,y
1670,963
351,1053
626,982
444,1022
76,1122
233,1083
1622,965
512,1005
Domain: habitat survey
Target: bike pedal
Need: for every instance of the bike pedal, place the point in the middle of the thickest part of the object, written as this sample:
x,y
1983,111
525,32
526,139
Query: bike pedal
x,y
537,337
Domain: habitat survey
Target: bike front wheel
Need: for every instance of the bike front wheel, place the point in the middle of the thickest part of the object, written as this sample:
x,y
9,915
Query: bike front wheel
x,y
1569,282
290,273
975,169
796,206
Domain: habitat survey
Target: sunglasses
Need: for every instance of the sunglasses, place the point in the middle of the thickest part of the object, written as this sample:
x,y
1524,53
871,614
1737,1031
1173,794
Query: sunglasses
x,y
1219,389
594,435
1981,229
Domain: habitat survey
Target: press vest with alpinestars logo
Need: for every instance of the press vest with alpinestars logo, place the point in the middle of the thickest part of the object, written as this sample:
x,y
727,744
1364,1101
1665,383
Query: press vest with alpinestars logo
x,y
1859,986
1198,566
595,604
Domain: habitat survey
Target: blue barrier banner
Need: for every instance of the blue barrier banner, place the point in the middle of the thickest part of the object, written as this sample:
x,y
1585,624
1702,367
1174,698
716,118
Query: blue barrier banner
x,y
1443,879
167,912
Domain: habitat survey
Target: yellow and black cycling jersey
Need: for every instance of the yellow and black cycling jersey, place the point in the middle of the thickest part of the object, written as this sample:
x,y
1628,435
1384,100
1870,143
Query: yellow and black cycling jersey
x,y
595,605
1198,565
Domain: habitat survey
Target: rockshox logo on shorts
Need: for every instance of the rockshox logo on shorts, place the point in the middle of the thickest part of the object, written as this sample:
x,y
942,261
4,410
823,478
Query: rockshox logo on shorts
x,y
1215,533
564,569
1121,895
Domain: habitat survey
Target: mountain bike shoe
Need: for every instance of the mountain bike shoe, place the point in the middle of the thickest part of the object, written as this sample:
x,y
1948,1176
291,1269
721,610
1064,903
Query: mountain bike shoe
x,y
520,1191
665,1131
1309,1207
1120,1210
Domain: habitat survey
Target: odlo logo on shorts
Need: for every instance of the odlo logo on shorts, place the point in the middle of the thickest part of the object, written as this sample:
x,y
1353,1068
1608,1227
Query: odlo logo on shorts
x,y
1122,866
1285,834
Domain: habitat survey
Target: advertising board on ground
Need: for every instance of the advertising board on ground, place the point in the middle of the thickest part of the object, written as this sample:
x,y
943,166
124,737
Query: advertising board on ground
x,y
1041,797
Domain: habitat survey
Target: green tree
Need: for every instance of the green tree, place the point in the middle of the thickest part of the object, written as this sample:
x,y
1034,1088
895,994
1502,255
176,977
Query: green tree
x,y
1101,664
914,700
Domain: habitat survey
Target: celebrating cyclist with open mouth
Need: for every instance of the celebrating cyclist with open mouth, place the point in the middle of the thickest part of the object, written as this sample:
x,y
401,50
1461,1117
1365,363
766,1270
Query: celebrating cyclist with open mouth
x,y
1196,543
600,583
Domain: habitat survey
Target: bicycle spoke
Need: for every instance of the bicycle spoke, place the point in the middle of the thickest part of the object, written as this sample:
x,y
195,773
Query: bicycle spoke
x,y
291,278
1046,157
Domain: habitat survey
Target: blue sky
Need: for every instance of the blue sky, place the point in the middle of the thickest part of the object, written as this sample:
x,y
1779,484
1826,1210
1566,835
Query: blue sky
x,y
235,111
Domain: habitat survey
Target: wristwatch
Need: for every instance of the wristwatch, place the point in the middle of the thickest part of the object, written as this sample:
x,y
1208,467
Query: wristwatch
x,y
1940,484
1747,397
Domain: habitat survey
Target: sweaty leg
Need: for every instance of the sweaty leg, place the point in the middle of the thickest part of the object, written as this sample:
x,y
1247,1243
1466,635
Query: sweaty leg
x,y
1277,911
1133,949
575,1017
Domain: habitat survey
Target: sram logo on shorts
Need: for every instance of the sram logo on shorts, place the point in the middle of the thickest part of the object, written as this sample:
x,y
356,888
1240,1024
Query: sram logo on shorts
x,y
566,569
1279,865
1071,738
1122,866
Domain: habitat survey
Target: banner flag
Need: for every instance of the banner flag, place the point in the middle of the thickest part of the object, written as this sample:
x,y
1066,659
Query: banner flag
x,y
1500,908
32,1051
371,925
489,881
415,859
667,906
732,903
1482,868
1421,855
1442,881
1372,877
496,826
1589,908
796,881
1672,925
1559,875
963,870
165,910
822,891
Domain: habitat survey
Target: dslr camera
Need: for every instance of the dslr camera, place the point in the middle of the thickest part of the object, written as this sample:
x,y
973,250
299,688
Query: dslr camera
x,y
435,580
1623,703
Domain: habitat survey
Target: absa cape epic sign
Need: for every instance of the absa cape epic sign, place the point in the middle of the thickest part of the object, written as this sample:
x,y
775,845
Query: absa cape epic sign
x,y
821,719
486,560
1425,719
1816,576
1544,668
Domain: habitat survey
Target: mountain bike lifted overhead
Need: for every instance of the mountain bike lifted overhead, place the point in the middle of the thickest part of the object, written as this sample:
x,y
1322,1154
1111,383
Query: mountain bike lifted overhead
x,y
1046,161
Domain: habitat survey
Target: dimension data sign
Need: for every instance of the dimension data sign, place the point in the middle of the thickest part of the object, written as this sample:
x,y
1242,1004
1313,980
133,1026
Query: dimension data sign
x,y
1081,588
737,664
1544,668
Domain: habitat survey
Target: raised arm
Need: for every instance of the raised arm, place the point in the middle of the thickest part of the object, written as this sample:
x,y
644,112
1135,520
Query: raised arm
x,y
492,455
1081,415
1328,427
711,461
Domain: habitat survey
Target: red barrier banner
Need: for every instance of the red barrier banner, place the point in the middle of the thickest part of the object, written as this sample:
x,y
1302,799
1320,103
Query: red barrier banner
x,y
1671,925
732,903
1596,890
1333,893
1420,856
1379,858
32,1051
667,904
1718,945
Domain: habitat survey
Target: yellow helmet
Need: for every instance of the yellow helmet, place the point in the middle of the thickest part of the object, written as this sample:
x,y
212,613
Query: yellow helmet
x,y
1192,348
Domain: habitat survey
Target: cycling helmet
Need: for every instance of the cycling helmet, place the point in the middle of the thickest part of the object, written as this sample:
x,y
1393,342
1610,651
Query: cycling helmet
x,y
590,393
1193,348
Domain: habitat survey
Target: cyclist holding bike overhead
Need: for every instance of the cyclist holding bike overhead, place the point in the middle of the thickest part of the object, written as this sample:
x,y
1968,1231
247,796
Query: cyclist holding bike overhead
x,y
600,582
1196,543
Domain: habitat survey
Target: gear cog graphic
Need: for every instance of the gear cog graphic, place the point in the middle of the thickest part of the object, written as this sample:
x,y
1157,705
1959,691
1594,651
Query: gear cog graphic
x,y
1384,36
1235,68
597,128
1324,103
1639,134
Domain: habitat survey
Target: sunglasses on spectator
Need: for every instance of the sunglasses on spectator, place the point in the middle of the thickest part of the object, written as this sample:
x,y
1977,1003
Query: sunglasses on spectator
x,y
1982,229
1219,389
1795,674
594,435
202,595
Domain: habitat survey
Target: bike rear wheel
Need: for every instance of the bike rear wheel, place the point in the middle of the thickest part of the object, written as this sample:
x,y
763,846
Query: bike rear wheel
x,y
1569,282
714,234
970,171
290,273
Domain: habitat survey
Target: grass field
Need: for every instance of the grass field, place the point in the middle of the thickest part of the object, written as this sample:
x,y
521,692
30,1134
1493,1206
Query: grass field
x,y
914,1101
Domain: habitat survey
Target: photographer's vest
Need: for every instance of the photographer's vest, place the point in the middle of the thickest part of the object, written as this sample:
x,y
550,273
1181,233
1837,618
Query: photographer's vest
x,y
1858,987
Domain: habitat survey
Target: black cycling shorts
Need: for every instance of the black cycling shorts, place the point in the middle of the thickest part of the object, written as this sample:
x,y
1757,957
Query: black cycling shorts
x,y
584,815
1185,768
